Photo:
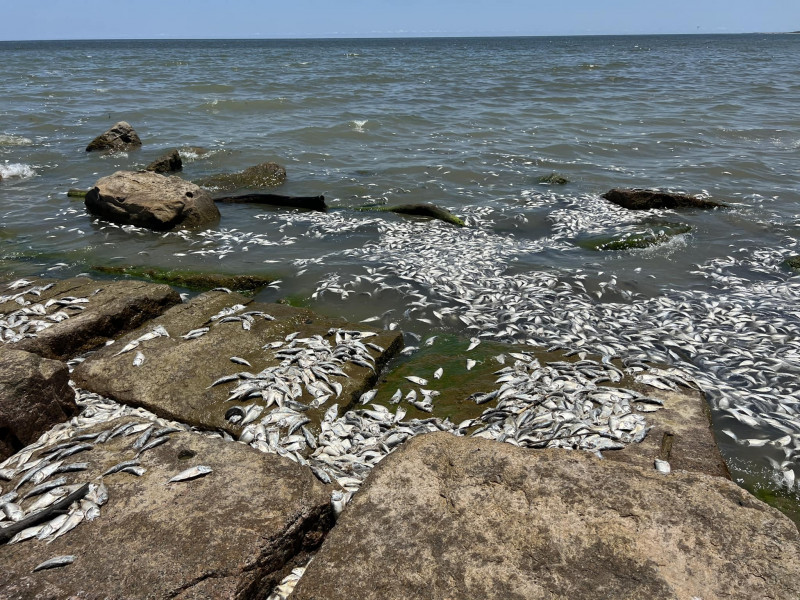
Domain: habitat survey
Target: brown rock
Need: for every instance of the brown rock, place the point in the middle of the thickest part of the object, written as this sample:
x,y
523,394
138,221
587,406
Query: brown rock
x,y
34,395
151,200
268,174
175,379
113,308
637,199
450,517
166,163
230,534
120,137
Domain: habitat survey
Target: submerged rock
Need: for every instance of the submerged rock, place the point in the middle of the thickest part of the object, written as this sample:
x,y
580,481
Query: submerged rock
x,y
639,199
151,200
304,202
652,235
553,179
120,137
34,395
193,280
233,533
419,210
76,193
268,174
793,262
470,518
166,163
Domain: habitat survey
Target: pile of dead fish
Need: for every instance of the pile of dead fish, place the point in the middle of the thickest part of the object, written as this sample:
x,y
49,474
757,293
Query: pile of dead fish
x,y
31,317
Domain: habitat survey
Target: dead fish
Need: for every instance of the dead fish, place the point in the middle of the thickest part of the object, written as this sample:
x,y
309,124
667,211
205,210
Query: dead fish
x,y
152,444
191,473
240,361
55,562
396,397
71,523
13,511
437,374
134,470
27,534
662,466
417,380
45,487
138,360
473,343
368,396
120,466
470,363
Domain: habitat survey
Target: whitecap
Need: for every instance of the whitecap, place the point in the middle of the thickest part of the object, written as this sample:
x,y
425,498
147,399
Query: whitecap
x,y
359,125
16,170
13,140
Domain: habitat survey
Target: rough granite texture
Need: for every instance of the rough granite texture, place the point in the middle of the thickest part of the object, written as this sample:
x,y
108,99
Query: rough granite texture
x,y
34,395
147,199
174,380
232,534
447,517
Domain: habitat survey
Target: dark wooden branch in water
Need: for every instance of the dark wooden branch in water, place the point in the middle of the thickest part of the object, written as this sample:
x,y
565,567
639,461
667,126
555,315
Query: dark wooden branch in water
x,y
306,202
55,509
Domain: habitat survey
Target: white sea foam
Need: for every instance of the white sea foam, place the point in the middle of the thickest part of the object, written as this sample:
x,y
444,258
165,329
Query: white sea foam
x,y
16,170
14,140
359,125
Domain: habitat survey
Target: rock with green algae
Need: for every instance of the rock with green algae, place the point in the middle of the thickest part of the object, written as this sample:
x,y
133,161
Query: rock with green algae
x,y
553,179
264,175
193,280
657,233
640,199
793,262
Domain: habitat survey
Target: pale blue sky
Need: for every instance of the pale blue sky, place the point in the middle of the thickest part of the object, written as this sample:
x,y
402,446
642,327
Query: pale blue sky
x,y
93,19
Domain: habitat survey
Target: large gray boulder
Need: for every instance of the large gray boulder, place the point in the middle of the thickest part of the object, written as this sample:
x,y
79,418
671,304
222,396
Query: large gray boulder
x,y
450,517
119,138
232,534
147,199
34,395
77,314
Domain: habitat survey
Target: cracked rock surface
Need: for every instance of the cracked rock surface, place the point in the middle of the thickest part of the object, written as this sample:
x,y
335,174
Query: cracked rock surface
x,y
233,533
450,517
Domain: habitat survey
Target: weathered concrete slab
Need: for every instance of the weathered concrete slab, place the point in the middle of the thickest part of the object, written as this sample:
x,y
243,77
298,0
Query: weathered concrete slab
x,y
230,534
451,517
175,379
681,434
92,311
34,395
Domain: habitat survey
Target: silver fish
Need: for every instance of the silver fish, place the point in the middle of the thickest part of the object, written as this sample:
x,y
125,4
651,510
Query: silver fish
x,y
138,360
55,562
437,374
417,380
191,473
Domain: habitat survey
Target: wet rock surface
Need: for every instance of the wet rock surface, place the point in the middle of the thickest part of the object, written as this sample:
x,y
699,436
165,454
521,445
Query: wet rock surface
x,y
59,319
193,280
302,202
120,137
449,517
166,163
639,199
268,174
232,533
34,396
150,200
176,376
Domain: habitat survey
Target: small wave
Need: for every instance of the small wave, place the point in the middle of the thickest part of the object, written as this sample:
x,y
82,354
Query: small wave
x,y
16,170
359,125
14,140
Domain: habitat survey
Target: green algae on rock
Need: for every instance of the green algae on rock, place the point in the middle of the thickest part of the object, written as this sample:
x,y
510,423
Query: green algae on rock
x,y
268,174
656,233
193,280
553,179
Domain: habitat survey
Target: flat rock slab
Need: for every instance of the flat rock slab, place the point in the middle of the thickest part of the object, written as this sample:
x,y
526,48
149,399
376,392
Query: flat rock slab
x,y
229,534
175,379
450,517
681,433
96,311
34,395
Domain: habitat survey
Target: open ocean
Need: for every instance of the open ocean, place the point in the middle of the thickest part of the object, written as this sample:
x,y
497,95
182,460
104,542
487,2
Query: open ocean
x,y
471,125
